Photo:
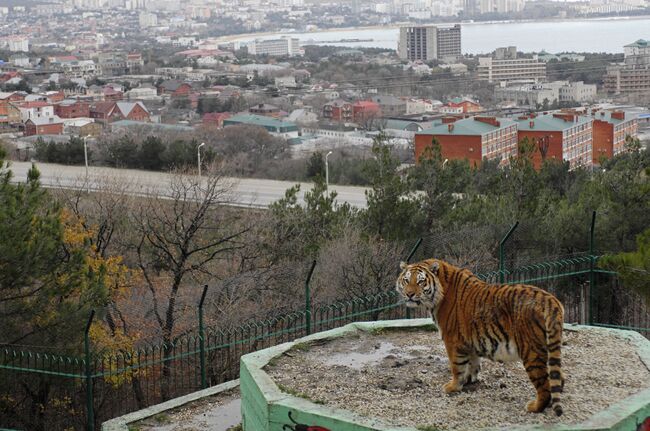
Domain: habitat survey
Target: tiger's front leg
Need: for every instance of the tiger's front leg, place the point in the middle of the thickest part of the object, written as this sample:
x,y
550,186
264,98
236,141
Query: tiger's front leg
x,y
460,364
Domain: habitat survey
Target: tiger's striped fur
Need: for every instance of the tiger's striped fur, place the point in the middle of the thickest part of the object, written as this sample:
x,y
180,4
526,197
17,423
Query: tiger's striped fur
x,y
499,322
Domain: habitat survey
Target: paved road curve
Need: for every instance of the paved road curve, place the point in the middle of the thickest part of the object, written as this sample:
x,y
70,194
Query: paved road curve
x,y
248,192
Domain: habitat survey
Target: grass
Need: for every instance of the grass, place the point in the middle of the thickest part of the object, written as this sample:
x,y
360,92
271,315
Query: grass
x,y
427,428
430,327
302,347
236,428
162,418
273,361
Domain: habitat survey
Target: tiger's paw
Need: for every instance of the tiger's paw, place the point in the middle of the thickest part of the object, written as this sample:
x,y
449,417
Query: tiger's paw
x,y
452,386
535,407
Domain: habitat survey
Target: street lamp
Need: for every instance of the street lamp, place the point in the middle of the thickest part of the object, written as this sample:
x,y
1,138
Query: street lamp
x,y
327,171
198,156
444,163
85,138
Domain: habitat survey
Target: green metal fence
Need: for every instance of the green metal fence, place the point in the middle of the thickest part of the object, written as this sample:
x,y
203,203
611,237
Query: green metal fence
x,y
41,391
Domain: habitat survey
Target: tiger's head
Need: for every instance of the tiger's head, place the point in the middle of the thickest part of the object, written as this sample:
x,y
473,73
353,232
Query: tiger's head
x,y
418,283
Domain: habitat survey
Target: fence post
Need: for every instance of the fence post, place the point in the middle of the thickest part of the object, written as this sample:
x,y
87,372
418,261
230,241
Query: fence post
x,y
204,380
408,258
308,298
90,405
592,264
502,260
414,249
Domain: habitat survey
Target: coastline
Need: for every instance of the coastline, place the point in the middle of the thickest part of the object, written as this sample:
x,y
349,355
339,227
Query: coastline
x,y
391,26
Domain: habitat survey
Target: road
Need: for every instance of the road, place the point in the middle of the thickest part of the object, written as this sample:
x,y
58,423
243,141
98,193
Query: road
x,y
247,192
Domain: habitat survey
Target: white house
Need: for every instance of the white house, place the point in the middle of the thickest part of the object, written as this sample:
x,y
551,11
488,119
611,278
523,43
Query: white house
x,y
37,109
144,92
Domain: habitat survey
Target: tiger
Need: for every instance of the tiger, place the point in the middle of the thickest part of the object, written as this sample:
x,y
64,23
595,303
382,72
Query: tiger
x,y
480,320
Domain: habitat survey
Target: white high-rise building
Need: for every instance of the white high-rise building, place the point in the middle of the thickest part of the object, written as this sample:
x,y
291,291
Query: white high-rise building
x,y
506,66
430,42
275,47
147,19
15,43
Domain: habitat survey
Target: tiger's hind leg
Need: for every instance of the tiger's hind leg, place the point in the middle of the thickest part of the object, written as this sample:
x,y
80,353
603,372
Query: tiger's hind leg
x,y
474,368
536,367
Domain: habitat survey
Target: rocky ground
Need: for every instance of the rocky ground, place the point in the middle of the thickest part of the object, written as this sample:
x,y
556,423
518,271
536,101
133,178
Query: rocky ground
x,y
398,376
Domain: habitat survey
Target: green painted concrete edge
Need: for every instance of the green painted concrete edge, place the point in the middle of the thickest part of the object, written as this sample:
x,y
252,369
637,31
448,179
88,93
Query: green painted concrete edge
x,y
618,417
278,402
121,423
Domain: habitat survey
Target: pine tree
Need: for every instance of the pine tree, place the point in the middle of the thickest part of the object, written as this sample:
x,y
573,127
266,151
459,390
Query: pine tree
x,y
49,277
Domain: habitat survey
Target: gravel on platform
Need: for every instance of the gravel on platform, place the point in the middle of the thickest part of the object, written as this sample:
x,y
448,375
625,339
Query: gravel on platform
x,y
203,414
398,376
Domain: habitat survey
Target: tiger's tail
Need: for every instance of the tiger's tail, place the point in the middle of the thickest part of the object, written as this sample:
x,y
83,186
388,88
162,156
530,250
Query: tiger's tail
x,y
554,320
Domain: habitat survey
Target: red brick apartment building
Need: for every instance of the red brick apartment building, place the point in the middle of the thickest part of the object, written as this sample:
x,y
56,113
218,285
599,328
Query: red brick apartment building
x,y
610,130
472,138
338,110
363,110
72,108
561,136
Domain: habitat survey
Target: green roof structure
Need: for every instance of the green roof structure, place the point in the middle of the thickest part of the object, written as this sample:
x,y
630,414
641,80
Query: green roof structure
x,y
273,125
607,116
549,122
412,126
641,43
467,127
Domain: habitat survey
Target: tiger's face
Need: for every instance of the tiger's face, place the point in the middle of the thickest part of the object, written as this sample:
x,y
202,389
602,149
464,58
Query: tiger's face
x,y
419,285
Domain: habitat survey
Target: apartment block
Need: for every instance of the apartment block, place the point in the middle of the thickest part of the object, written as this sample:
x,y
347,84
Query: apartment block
x,y
563,136
534,95
611,128
275,47
473,139
633,75
448,43
527,95
430,42
506,66
500,6
338,110
627,79
576,91
15,43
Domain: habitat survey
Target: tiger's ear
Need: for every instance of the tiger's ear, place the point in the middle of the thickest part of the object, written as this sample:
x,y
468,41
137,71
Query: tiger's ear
x,y
434,267
403,265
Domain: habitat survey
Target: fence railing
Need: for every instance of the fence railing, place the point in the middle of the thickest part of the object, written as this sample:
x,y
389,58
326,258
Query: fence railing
x,y
41,391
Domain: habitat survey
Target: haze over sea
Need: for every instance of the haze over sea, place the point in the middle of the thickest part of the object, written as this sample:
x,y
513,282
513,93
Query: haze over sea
x,y
588,35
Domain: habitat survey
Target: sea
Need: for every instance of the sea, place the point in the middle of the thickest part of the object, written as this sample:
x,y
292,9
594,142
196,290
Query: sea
x,y
607,35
